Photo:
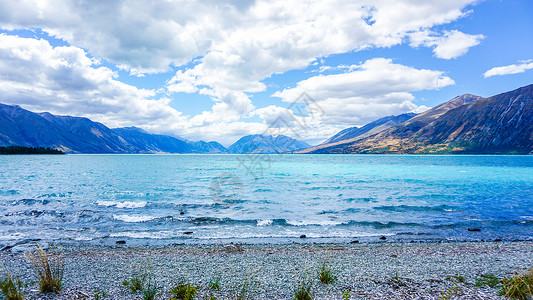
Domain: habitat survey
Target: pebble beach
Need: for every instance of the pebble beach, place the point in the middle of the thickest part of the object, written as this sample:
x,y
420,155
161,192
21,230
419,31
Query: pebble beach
x,y
272,271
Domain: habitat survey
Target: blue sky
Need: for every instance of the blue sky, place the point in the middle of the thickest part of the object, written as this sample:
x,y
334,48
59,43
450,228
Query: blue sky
x,y
218,70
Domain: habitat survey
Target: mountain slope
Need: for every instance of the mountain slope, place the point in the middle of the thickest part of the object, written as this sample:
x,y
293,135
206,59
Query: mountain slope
x,y
20,127
266,144
465,124
24,128
149,143
353,134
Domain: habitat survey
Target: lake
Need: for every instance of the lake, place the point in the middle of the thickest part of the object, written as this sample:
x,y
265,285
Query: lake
x,y
163,199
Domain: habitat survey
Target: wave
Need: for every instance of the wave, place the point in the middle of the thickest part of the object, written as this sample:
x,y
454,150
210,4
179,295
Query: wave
x,y
125,204
405,208
133,219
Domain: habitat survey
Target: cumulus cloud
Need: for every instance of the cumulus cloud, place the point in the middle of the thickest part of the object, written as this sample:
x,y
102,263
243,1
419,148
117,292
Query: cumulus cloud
x,y
451,44
223,49
510,69
64,80
376,88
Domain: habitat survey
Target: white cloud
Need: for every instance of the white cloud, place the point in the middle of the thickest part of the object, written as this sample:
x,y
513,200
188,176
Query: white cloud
x,y
451,44
63,80
228,48
510,69
374,89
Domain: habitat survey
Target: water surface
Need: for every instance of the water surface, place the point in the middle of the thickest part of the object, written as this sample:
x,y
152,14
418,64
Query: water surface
x,y
158,199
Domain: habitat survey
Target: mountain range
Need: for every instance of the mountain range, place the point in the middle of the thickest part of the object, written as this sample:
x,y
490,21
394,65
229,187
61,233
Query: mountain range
x,y
20,127
501,124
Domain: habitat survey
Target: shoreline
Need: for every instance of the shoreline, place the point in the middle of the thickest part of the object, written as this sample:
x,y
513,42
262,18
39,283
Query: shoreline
x,y
386,270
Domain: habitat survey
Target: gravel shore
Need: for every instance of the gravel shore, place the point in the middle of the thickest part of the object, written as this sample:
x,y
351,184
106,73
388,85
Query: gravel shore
x,y
366,271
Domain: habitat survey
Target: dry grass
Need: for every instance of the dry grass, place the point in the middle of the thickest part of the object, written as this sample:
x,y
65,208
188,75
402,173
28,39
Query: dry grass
x,y
518,287
49,268
10,288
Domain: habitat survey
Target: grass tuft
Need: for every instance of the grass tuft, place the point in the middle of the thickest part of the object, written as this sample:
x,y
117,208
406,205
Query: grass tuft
x,y
49,268
303,290
326,274
215,284
518,287
135,283
99,294
183,291
487,279
11,289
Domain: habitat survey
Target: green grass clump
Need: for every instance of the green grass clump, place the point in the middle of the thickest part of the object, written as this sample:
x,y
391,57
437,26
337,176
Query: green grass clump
x,y
11,289
303,290
518,287
215,284
99,294
149,292
487,279
346,295
49,268
134,284
184,291
450,292
326,274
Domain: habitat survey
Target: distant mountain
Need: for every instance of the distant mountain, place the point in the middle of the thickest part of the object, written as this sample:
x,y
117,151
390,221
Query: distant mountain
x,y
20,127
353,134
207,147
149,143
266,144
370,128
465,124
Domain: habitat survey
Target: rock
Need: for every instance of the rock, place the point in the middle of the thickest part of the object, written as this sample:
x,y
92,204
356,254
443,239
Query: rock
x,y
393,255
354,242
182,212
474,229
121,242
383,238
188,232
497,240
303,236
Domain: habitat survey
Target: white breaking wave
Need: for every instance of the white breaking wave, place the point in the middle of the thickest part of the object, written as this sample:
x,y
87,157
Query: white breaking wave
x,y
265,222
133,219
125,204
313,222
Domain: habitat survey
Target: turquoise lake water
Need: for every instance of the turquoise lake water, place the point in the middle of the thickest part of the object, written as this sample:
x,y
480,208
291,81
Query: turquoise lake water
x,y
163,199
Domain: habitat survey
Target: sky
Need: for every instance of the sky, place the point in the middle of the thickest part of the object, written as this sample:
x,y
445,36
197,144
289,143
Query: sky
x,y
219,70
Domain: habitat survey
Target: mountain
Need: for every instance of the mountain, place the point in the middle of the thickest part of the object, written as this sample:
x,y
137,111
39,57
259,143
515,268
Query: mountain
x,y
207,147
370,128
466,124
266,144
21,127
69,134
353,134
147,142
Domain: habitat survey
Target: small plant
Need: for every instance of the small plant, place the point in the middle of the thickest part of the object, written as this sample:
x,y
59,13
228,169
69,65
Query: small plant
x,y
49,269
346,295
150,289
215,284
11,289
134,284
184,291
246,287
325,274
450,292
99,294
150,292
457,278
518,287
303,290
487,279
